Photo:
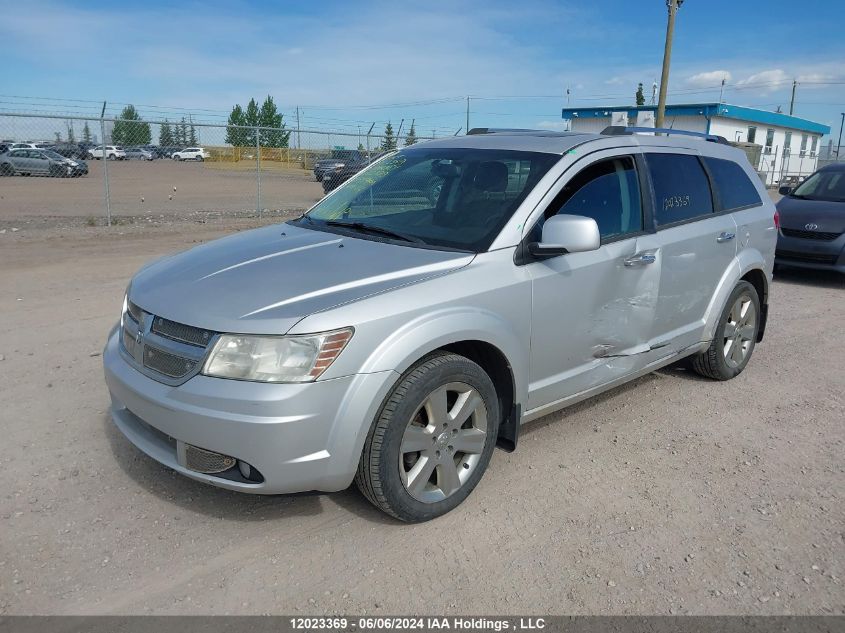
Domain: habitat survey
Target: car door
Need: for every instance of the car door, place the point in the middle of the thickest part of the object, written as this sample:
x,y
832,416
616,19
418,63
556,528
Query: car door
x,y
39,162
696,246
592,311
20,160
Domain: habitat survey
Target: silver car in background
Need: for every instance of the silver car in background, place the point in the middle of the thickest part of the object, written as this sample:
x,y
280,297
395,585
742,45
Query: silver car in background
x,y
40,162
414,318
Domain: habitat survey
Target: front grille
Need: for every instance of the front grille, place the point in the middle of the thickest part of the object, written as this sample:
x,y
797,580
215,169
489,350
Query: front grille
x,y
166,363
180,332
809,258
204,461
811,235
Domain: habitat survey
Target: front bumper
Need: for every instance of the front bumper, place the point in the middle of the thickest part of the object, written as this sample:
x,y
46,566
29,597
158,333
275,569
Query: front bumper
x,y
810,253
300,437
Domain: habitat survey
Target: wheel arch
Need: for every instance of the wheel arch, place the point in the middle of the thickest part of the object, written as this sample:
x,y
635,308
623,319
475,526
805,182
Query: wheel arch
x,y
749,265
480,335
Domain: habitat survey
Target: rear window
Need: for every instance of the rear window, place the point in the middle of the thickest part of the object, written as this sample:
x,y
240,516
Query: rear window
x,y
732,183
681,188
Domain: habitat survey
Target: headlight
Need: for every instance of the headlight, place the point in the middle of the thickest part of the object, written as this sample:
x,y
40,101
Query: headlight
x,y
124,308
275,358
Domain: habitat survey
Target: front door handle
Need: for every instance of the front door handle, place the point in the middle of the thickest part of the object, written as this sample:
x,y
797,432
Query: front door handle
x,y
724,236
640,259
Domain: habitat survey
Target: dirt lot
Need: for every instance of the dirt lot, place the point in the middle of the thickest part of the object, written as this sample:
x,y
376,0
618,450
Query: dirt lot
x,y
673,494
157,188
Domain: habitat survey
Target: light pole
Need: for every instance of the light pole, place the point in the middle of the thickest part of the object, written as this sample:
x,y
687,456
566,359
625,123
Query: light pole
x,y
839,144
673,6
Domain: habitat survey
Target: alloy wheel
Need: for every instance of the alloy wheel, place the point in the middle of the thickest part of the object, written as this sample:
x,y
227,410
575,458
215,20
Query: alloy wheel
x,y
443,442
739,331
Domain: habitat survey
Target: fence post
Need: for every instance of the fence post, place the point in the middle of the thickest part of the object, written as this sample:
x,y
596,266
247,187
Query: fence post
x,y
258,165
105,160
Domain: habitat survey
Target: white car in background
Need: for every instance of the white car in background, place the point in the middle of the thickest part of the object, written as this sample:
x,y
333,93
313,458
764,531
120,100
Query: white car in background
x,y
191,153
112,152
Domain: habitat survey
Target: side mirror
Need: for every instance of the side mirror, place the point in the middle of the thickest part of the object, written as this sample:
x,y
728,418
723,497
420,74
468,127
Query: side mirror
x,y
564,234
785,190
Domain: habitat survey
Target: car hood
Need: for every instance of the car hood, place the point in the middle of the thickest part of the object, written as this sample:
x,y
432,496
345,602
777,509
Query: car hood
x,y
265,280
796,213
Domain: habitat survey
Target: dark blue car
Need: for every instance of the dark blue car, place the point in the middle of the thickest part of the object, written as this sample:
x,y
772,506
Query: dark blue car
x,y
812,222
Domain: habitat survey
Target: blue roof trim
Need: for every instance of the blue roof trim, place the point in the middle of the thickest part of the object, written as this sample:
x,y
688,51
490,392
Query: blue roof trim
x,y
708,110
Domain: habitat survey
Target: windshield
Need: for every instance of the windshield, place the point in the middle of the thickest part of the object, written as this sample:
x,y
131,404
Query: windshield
x,y
823,185
451,198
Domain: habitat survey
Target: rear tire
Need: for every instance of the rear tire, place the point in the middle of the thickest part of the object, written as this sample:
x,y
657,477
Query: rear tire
x,y
432,440
736,335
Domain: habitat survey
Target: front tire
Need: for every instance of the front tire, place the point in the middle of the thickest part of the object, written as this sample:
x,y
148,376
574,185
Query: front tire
x,y
736,334
432,440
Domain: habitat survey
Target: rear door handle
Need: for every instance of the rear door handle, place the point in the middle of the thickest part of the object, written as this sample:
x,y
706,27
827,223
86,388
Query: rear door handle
x,y
724,236
640,259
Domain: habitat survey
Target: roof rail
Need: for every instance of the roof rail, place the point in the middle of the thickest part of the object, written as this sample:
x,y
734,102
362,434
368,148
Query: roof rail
x,y
619,130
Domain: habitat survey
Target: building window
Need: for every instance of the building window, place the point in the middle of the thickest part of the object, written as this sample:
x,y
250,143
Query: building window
x,y
752,133
787,143
803,145
814,146
770,139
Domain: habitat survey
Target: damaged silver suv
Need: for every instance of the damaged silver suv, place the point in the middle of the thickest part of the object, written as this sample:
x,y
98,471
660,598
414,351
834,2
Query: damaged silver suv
x,y
414,318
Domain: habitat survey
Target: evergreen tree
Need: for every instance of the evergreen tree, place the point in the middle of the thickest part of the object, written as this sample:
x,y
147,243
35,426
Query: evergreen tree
x,y
192,136
411,137
165,135
640,96
183,133
269,117
71,135
251,115
86,133
236,136
58,137
130,129
388,142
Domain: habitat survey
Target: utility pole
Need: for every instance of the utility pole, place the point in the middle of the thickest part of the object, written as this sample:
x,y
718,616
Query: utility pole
x,y
839,144
467,115
298,136
792,101
673,6
721,90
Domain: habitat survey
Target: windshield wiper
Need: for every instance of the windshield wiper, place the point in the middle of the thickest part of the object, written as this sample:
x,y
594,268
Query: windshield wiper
x,y
376,230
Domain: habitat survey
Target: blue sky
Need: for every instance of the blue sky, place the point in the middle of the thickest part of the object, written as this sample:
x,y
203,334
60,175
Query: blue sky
x,y
348,64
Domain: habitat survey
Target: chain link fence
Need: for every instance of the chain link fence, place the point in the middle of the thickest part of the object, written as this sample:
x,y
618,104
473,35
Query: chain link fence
x,y
107,170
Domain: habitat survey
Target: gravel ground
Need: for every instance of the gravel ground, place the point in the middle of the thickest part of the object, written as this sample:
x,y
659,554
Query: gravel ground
x,y
672,494
158,189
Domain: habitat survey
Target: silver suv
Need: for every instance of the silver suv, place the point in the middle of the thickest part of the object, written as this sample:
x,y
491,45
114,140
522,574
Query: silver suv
x,y
414,318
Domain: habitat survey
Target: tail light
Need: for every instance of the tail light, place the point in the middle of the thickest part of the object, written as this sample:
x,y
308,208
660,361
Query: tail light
x,y
777,221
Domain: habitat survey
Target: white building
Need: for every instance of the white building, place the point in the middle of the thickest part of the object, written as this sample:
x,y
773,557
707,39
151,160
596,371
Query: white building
x,y
788,145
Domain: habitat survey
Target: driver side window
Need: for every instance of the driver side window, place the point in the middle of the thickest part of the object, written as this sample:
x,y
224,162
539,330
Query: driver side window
x,y
607,191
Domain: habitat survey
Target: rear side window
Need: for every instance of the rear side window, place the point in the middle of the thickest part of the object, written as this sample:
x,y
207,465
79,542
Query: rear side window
x,y
732,183
681,188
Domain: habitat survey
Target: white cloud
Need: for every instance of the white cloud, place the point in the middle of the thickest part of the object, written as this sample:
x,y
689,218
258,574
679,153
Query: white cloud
x,y
709,79
768,79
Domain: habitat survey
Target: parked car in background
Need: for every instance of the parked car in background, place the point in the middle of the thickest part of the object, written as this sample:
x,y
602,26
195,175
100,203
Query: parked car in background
x,y
24,146
5,147
70,150
812,221
339,159
395,340
168,151
139,153
112,152
40,162
191,153
333,178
